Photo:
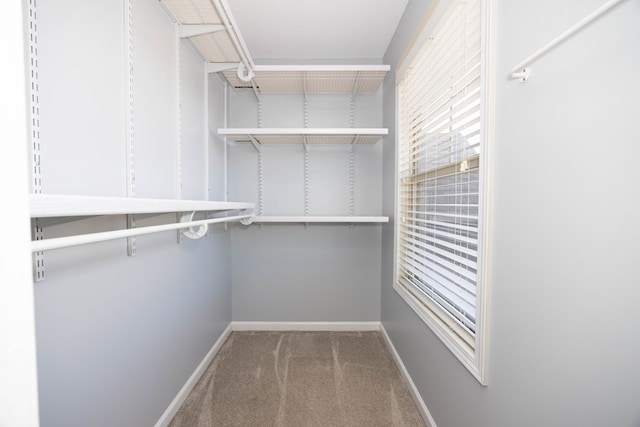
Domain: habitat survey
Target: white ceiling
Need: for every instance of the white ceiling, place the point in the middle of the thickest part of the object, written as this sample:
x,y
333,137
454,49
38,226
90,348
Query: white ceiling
x,y
317,29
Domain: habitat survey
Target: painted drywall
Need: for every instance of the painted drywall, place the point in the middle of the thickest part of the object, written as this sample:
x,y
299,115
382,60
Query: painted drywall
x,y
118,336
80,95
292,272
563,339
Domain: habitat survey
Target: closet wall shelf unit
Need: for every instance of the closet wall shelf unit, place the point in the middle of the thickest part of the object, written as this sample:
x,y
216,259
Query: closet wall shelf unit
x,y
56,205
307,80
45,206
311,136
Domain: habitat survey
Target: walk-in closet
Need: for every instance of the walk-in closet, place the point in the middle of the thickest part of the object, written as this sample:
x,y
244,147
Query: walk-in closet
x,y
320,213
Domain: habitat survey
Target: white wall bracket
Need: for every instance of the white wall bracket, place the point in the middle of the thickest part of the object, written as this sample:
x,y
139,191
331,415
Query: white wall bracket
x,y
214,67
191,30
523,75
256,144
248,220
193,232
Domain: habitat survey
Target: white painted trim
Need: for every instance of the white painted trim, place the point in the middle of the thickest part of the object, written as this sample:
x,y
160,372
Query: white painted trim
x,y
182,395
415,394
306,326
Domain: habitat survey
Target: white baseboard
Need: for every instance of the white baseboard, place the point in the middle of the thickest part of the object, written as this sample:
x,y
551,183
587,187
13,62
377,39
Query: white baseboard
x,y
422,407
182,395
305,326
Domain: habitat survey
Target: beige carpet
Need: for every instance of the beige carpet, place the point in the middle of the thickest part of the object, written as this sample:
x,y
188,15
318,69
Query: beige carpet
x,y
300,379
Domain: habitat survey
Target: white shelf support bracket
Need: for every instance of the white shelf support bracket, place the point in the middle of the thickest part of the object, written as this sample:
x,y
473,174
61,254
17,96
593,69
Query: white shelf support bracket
x,y
38,257
306,177
260,185
214,67
131,241
256,144
248,220
192,233
306,101
352,180
129,121
179,218
34,128
191,30
352,108
523,75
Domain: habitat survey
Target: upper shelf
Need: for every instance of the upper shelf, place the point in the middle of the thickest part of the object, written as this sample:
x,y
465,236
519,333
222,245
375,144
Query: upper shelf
x,y
215,46
311,136
55,205
312,79
210,25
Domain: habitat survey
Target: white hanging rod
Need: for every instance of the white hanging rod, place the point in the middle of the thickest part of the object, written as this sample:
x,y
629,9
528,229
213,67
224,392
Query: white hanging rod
x,y
83,239
522,72
229,23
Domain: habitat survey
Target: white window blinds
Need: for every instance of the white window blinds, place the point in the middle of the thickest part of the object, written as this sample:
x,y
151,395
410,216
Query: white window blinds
x,y
439,162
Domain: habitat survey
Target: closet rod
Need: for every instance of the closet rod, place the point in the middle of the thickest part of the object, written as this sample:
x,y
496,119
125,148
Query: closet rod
x,y
521,72
83,239
230,25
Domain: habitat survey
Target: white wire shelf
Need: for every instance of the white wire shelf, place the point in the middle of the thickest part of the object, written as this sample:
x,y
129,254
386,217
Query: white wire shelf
x,y
55,205
313,79
320,219
311,136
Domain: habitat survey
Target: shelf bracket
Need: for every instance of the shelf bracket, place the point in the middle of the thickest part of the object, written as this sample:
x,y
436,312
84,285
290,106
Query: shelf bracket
x,y
191,30
214,67
193,233
352,109
256,144
38,257
131,241
306,178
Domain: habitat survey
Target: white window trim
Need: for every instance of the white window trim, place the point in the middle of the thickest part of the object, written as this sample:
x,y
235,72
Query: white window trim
x,y
475,360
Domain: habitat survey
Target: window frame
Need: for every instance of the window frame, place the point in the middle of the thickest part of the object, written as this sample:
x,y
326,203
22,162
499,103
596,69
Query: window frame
x,y
473,357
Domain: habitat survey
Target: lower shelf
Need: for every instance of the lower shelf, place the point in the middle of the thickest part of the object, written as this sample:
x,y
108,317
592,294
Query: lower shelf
x,y
320,219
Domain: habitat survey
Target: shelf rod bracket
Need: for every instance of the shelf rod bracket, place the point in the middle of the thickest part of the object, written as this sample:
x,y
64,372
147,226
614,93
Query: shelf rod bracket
x,y
256,143
214,67
131,241
191,30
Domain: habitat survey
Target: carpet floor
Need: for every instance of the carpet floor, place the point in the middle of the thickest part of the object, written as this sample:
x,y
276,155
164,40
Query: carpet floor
x,y
300,379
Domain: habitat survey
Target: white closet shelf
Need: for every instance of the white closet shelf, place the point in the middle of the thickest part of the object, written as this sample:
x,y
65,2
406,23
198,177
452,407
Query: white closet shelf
x,y
55,205
311,136
312,79
320,219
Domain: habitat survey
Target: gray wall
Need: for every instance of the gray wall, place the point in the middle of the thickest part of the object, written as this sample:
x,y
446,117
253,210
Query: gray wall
x,y
297,273
118,336
563,347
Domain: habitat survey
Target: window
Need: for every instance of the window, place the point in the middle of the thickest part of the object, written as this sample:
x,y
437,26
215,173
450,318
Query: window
x,y
442,165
